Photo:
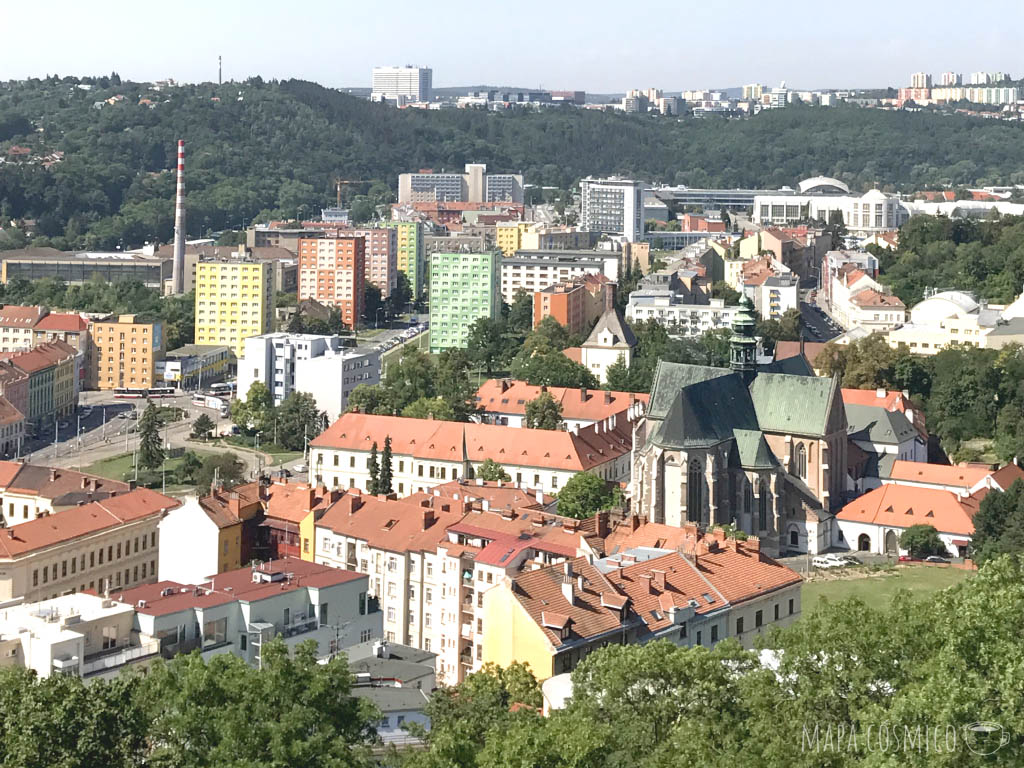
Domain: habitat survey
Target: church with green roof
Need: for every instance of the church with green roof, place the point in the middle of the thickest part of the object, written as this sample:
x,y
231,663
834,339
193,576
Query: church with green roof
x,y
746,446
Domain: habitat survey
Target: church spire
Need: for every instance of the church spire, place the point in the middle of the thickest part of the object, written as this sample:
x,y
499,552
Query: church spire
x,y
743,344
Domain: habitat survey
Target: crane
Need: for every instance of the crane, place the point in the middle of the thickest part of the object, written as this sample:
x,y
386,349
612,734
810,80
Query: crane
x,y
339,182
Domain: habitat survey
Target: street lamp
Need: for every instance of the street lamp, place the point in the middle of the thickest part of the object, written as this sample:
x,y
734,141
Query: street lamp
x,y
376,315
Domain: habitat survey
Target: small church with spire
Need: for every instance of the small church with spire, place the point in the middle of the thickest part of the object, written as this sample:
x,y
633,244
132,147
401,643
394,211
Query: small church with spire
x,y
760,450
611,339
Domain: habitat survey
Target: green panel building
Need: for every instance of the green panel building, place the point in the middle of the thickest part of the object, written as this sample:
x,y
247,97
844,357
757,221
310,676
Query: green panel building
x,y
411,260
463,288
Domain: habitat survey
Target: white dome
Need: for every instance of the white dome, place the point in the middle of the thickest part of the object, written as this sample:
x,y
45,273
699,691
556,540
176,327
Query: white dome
x,y
823,185
941,306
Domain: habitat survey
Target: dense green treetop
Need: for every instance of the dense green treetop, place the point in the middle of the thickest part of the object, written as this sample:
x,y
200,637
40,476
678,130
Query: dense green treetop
x,y
262,150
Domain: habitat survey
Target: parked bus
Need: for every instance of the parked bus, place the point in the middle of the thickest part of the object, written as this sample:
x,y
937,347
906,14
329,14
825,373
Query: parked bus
x,y
210,401
224,388
137,393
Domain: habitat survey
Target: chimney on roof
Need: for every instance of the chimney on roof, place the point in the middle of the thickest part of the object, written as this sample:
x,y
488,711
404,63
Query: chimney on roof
x,y
753,545
505,384
428,518
567,576
53,474
718,534
607,397
85,482
583,394
132,485
543,388
601,518
658,579
234,504
880,392
646,583
312,493
609,297
634,522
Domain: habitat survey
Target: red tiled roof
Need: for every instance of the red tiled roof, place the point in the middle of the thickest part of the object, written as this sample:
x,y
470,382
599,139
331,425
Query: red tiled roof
x,y
900,506
8,413
869,297
456,441
937,474
505,396
233,585
574,353
787,349
18,316
892,401
54,482
1006,476
43,532
41,356
56,321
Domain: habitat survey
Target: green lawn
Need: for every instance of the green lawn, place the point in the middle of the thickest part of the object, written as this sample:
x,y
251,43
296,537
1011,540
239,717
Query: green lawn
x,y
120,468
878,590
280,454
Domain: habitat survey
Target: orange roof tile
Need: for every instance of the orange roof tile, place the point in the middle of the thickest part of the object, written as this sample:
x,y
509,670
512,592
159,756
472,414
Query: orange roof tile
x,y
511,396
48,531
58,321
937,474
233,585
869,297
900,506
787,349
892,401
456,441
17,316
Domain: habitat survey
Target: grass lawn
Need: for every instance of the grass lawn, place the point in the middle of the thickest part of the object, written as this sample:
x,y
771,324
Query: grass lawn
x,y
279,454
120,468
877,590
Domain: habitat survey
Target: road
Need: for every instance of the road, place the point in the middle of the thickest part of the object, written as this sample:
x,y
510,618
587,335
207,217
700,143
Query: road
x,y
819,326
106,433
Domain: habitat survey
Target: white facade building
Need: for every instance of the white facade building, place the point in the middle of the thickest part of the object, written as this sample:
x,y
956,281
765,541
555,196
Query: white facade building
x,y
680,317
613,206
774,297
533,271
874,211
473,186
302,362
188,544
402,83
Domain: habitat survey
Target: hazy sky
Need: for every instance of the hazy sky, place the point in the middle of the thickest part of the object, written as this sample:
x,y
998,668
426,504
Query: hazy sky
x,y
600,45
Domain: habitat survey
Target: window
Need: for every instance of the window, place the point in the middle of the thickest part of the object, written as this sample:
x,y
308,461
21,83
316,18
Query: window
x,y
35,578
714,633
762,508
739,626
364,636
801,461
776,611
362,603
323,614
698,637
791,606
305,545
694,492
215,632
109,638
759,618
243,641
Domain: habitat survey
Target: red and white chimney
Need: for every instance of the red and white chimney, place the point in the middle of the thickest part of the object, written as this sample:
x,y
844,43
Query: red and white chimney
x,y
178,265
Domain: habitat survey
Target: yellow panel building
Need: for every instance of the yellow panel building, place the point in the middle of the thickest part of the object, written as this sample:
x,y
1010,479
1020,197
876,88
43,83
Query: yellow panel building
x,y
234,301
509,236
124,352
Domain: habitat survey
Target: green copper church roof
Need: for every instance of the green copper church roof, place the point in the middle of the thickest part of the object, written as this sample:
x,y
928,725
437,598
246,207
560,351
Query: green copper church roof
x,y
798,405
753,450
670,378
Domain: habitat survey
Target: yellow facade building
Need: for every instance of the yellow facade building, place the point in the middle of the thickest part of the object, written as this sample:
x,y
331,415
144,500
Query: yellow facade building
x,y
124,352
234,301
509,236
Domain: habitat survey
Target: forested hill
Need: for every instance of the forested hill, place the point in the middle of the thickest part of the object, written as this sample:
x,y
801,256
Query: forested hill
x,y
257,149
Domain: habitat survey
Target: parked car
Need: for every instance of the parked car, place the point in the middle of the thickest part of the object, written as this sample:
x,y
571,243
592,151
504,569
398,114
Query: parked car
x,y
824,562
300,468
839,560
936,559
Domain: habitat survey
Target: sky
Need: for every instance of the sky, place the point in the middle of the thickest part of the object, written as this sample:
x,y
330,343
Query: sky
x,y
597,46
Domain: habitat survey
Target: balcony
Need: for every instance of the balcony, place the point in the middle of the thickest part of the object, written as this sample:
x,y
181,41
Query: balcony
x,y
299,625
467,632
116,657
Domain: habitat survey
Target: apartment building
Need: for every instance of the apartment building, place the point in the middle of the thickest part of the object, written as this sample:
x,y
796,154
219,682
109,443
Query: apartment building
x,y
317,365
111,542
404,84
14,386
52,371
432,557
503,402
74,634
473,186
411,255
29,491
125,350
234,300
612,206
533,271
17,324
380,255
463,288
427,453
332,270
515,236
710,588
576,303
12,429
858,301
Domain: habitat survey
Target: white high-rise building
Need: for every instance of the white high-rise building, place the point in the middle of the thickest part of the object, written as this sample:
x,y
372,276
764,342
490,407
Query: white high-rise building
x,y
303,362
473,186
402,84
951,78
920,80
613,206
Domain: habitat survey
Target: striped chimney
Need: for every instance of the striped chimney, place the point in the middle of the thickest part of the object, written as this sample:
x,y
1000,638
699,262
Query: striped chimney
x,y
178,265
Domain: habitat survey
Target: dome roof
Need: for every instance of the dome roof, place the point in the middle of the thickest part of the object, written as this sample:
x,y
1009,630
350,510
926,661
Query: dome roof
x,y
823,185
943,305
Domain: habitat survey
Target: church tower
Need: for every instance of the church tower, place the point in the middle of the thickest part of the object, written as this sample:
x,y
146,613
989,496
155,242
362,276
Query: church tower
x,y
742,344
